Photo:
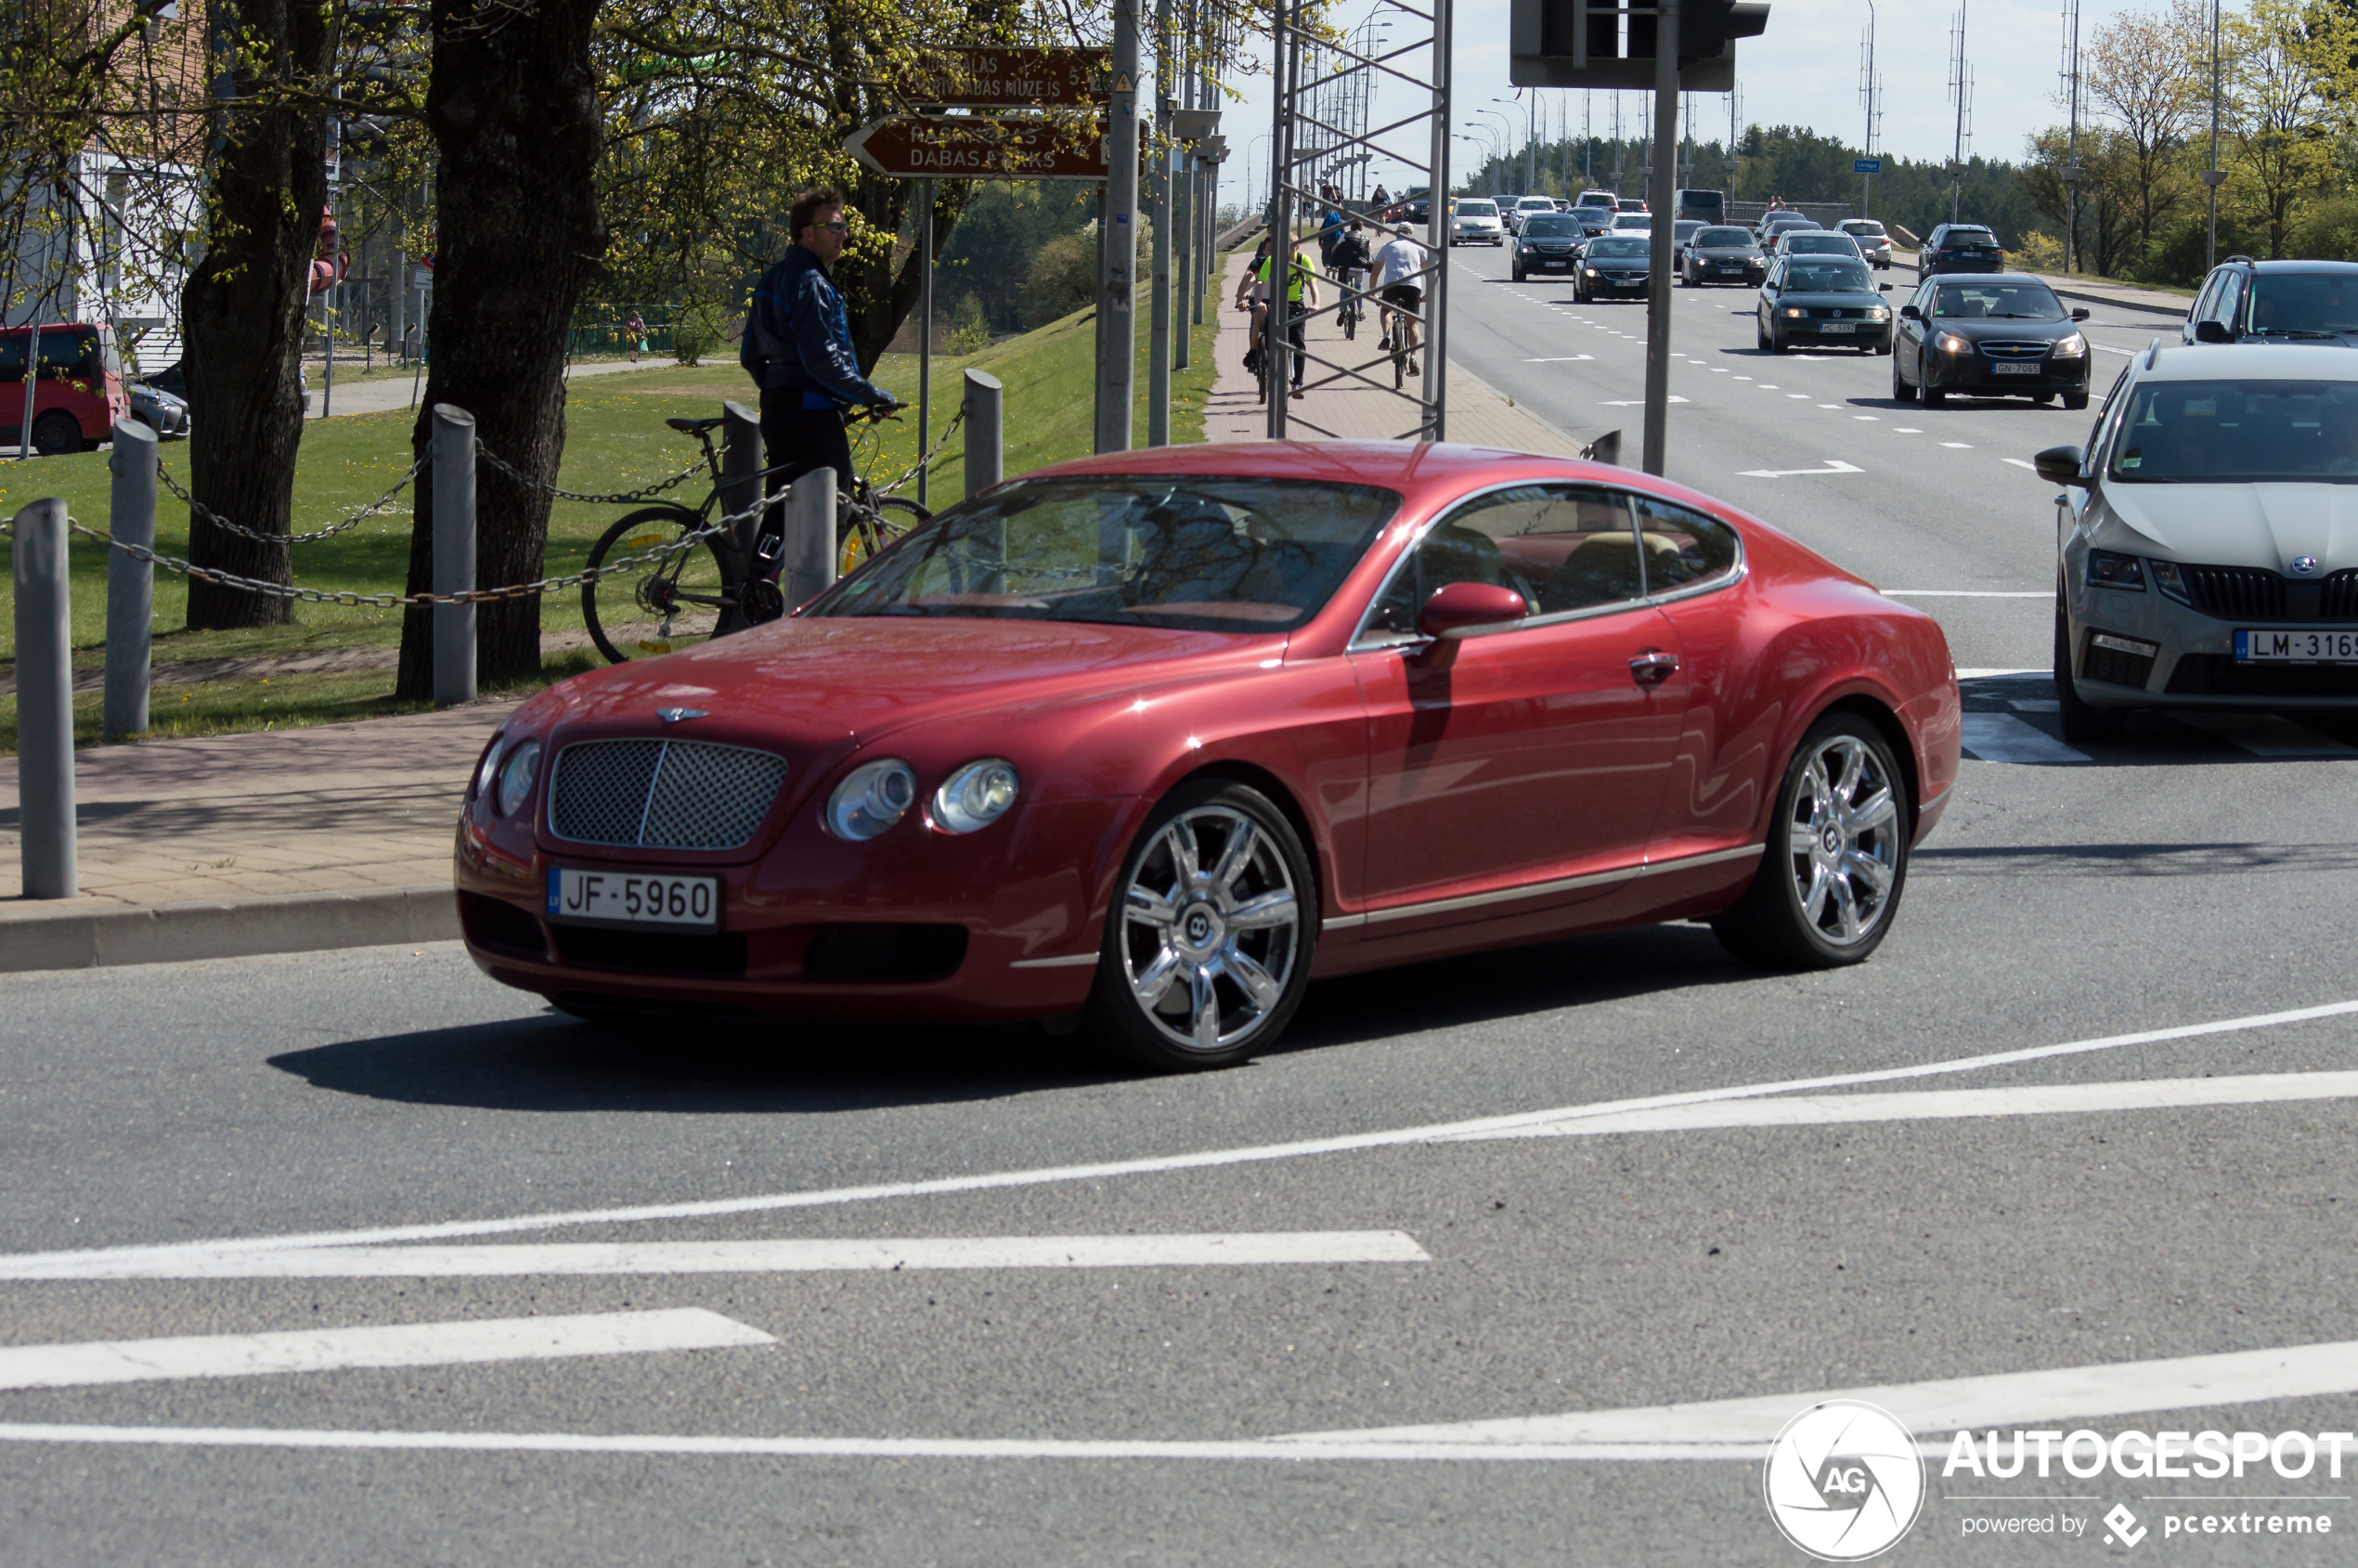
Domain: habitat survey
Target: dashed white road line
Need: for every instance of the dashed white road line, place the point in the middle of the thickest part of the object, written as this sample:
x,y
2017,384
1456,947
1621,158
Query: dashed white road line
x,y
790,1256
2001,738
2020,463
1958,446
406,1345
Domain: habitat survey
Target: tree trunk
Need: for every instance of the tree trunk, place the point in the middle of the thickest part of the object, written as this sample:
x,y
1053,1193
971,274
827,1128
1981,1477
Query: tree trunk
x,y
878,296
513,108
241,314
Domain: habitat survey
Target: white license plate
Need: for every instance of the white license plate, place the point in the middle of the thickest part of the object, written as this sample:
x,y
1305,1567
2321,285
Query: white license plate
x,y
2028,368
1836,327
618,898
2297,647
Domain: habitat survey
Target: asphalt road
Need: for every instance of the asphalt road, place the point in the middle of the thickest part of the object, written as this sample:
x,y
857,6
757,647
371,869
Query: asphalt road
x,y
338,1180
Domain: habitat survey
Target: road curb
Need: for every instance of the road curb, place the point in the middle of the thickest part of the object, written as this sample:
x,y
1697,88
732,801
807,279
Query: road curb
x,y
83,935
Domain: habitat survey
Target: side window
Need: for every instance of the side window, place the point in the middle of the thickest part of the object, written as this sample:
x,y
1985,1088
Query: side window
x,y
1562,546
1683,547
2224,309
2209,297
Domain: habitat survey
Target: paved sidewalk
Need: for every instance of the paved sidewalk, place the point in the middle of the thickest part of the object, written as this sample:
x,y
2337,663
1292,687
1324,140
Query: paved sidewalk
x,y
282,841
1352,409
388,392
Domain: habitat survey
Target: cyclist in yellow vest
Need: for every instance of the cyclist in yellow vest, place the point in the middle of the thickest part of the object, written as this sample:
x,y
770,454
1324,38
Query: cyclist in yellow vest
x,y
1302,294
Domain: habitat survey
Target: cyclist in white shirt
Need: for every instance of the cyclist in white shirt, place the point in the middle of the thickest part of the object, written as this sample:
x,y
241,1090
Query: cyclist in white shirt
x,y
1398,265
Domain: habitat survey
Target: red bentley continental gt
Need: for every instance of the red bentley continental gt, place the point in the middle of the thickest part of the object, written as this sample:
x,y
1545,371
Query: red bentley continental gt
x,y
1157,738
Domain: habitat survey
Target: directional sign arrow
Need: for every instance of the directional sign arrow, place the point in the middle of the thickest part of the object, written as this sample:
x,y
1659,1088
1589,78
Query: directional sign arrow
x,y
976,147
1835,465
1008,78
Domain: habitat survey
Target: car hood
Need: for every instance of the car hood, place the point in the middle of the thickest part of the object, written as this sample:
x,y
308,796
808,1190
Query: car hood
x,y
1975,327
825,680
2267,525
1728,253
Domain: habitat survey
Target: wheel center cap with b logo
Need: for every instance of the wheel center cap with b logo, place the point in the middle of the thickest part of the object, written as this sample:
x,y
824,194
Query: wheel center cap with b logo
x,y
1831,836
1201,927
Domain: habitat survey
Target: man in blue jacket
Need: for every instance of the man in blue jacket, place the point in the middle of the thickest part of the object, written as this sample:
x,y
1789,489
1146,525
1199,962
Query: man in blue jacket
x,y
799,349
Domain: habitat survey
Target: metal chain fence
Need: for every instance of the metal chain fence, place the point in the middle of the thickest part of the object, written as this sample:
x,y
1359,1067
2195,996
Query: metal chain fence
x,y
360,515
619,497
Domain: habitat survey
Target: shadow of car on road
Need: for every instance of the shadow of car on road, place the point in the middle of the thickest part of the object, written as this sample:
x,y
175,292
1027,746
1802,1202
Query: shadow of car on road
x,y
552,1063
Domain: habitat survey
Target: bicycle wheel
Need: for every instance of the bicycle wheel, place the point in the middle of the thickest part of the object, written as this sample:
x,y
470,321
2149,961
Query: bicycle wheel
x,y
862,534
670,602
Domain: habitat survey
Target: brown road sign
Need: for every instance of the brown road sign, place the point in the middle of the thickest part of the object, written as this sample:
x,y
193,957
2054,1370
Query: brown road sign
x,y
973,147
1009,78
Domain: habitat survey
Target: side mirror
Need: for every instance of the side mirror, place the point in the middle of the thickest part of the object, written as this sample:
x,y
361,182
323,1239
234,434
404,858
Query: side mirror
x,y
2059,465
1460,609
1909,312
2080,315
2212,331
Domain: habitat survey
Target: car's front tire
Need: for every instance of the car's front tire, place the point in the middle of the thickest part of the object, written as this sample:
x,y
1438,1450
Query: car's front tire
x,y
1836,859
2076,401
1207,948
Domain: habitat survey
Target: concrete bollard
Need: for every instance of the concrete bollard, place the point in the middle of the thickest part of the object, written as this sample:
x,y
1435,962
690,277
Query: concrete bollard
x,y
984,406
740,461
45,703
131,584
807,556
454,554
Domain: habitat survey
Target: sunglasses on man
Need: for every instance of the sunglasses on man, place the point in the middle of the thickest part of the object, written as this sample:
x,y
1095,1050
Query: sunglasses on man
x,y
838,227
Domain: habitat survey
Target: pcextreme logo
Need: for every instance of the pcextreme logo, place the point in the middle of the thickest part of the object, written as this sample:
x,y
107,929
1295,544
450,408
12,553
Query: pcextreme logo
x,y
1844,1480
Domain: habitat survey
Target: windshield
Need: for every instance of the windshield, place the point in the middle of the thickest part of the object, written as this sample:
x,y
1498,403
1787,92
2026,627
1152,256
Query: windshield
x,y
2301,305
1829,277
1593,199
1815,244
1864,228
1535,204
1551,224
1203,553
2215,432
2026,300
1615,245
1477,209
1723,240
1968,236
1638,221
1687,229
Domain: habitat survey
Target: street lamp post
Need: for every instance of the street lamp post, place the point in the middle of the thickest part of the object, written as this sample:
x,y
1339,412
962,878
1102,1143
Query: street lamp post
x,y
2214,176
1529,140
1506,139
1490,149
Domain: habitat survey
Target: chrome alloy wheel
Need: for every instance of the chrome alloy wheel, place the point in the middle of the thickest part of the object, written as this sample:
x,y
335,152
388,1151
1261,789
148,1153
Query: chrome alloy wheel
x,y
1844,837
1211,928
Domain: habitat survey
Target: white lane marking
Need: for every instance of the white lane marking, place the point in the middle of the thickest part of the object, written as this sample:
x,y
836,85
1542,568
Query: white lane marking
x,y
405,1345
1716,1430
26,1266
2001,738
2266,734
1959,446
1743,378
1560,359
2124,353
1721,371
795,1256
1870,418
1962,593
2002,1400
1771,386
1940,1105
1905,429
1829,405
1833,465
2020,463
1632,402
1802,396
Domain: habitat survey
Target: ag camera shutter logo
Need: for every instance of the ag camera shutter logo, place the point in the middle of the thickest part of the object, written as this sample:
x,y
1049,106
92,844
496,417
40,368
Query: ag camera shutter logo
x,y
1844,1480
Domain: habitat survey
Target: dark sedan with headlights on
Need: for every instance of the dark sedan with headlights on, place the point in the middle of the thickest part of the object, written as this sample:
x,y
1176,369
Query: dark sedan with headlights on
x,y
1826,301
1999,335
1723,254
1614,267
1549,242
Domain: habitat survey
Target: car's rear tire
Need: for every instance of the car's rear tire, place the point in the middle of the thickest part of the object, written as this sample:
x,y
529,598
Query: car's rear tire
x,y
1837,861
1217,911
2080,721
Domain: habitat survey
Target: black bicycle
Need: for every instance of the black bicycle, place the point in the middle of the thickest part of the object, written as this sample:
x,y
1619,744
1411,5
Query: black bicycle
x,y
677,598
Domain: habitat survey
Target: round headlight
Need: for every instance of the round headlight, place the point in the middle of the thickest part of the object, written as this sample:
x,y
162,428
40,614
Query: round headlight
x,y
516,775
975,796
870,798
488,770
2071,346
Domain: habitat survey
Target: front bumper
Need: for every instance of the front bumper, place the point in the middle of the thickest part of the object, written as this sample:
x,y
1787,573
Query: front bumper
x,y
815,927
1974,376
1864,334
1615,282
1717,272
2194,664
1542,261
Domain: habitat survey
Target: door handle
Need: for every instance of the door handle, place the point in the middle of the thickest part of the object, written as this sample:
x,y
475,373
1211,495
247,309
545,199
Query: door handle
x,y
1652,667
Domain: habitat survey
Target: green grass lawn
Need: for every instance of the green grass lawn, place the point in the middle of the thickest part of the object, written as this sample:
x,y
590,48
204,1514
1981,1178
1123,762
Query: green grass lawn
x,y
616,440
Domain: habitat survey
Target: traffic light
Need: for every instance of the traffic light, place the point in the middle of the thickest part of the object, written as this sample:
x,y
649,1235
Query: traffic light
x,y
1611,43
